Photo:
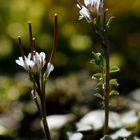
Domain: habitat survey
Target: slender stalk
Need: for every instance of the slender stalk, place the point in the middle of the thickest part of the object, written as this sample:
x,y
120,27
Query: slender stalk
x,y
21,48
107,88
55,39
43,106
31,37
36,101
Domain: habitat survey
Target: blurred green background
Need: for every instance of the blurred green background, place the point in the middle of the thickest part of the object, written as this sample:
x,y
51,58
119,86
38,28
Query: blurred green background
x,y
72,75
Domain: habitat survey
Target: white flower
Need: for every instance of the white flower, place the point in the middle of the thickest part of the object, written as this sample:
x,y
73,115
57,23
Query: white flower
x,y
36,62
50,68
90,2
38,59
84,13
90,8
99,6
26,63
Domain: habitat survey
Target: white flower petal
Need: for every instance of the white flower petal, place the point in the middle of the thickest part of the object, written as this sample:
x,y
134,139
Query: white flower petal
x,y
19,62
99,6
90,2
29,56
50,68
42,56
85,13
30,63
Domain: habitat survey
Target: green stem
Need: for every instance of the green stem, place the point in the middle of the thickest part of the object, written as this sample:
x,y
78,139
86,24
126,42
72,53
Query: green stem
x,y
43,106
107,89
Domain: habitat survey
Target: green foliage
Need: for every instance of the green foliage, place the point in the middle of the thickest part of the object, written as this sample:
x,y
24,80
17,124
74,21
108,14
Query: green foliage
x,y
114,69
97,76
98,59
113,92
99,95
114,82
100,85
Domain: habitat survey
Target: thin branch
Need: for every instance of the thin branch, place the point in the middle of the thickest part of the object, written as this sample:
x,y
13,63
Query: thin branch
x,y
43,107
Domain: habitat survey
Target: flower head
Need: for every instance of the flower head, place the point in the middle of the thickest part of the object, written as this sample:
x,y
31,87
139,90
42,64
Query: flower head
x,y
25,62
84,13
38,59
90,9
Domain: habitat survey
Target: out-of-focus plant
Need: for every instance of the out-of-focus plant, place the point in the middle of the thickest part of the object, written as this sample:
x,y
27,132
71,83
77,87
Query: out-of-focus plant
x,y
93,11
39,70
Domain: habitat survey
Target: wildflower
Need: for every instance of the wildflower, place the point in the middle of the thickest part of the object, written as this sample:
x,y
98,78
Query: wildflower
x,y
90,9
25,62
39,70
38,59
85,13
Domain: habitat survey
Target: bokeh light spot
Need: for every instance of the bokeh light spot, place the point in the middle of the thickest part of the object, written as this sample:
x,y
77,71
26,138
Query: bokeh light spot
x,y
80,42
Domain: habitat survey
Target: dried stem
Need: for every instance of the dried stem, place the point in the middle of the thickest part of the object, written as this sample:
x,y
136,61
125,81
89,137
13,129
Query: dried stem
x,y
21,47
31,37
55,39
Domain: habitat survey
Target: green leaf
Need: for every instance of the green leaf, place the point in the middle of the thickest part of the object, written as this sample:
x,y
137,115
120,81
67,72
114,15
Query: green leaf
x,y
99,85
106,137
98,59
97,76
92,61
114,82
99,95
113,92
114,69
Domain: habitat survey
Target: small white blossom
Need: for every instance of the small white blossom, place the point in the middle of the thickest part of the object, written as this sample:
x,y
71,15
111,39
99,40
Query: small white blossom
x,y
84,13
90,2
26,63
50,68
99,6
39,59
90,8
35,62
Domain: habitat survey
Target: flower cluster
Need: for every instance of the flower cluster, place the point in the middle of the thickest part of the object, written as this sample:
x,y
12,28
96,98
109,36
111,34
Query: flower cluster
x,y
36,63
90,9
39,70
